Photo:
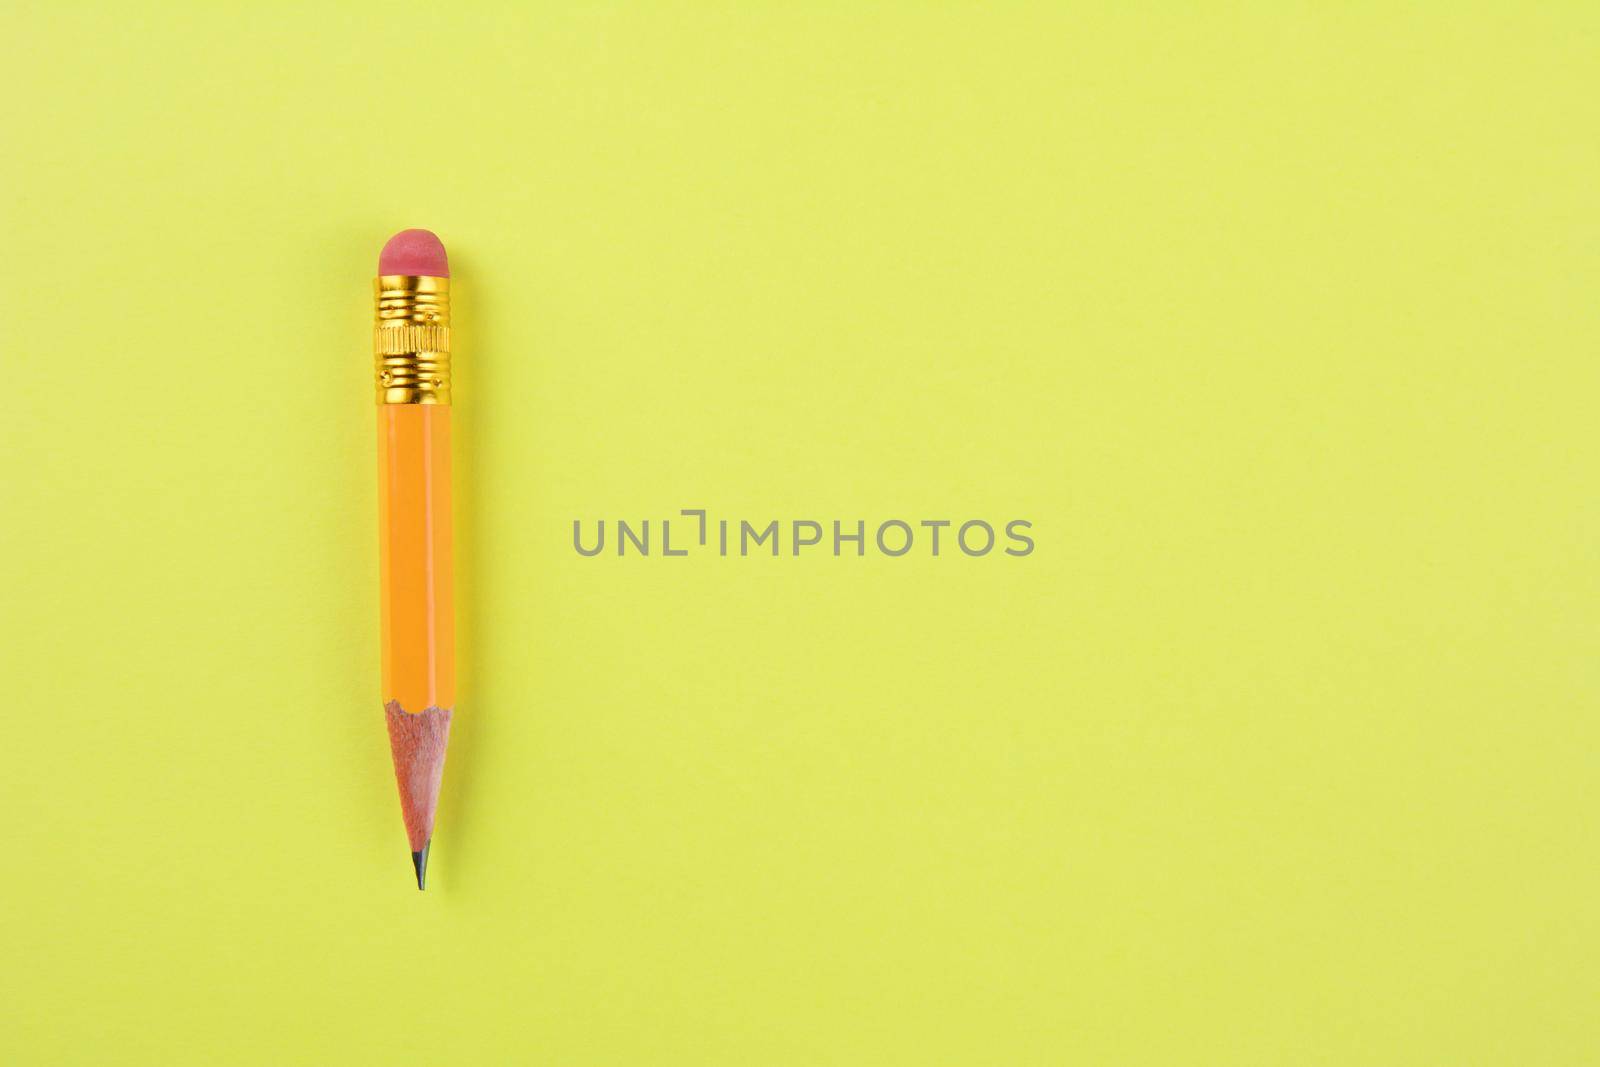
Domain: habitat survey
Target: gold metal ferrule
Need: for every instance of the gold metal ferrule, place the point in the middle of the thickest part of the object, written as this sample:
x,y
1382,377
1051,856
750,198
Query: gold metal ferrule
x,y
411,339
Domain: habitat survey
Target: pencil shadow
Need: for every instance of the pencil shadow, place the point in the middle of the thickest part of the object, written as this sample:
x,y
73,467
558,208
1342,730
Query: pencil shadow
x,y
472,358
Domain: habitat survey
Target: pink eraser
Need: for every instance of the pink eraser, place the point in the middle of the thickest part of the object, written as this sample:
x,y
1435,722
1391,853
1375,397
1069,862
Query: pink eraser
x,y
414,252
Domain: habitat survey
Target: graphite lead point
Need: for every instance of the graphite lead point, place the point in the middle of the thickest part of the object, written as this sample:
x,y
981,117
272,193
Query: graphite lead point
x,y
419,860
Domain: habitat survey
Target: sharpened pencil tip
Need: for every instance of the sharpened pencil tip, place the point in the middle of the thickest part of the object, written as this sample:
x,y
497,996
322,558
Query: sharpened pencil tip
x,y
419,860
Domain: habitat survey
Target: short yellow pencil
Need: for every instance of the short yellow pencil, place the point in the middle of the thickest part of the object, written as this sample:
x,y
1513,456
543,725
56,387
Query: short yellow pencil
x,y
412,345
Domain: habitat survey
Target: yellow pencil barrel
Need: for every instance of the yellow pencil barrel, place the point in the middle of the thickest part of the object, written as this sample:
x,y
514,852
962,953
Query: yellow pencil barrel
x,y
411,346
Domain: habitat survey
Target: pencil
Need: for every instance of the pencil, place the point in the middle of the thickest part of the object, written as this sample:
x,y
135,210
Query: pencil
x,y
412,346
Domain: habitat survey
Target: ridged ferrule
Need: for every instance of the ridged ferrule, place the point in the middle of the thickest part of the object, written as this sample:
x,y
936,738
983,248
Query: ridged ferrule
x,y
411,339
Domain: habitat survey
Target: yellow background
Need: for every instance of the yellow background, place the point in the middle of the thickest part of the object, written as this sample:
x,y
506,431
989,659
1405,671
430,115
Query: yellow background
x,y
1278,321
